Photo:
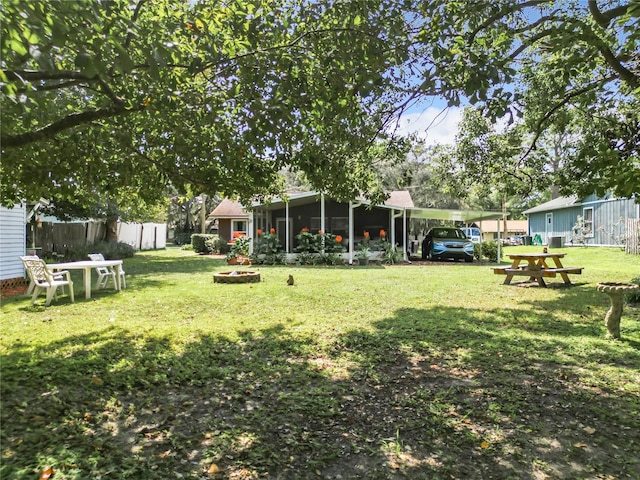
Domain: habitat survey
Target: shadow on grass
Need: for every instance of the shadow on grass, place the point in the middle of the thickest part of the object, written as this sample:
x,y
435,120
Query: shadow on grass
x,y
428,393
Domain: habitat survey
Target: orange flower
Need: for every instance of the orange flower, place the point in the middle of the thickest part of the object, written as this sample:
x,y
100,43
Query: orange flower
x,y
259,232
320,232
366,234
339,238
273,230
383,233
304,229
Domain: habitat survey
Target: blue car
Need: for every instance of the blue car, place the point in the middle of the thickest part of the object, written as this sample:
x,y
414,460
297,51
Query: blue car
x,y
447,242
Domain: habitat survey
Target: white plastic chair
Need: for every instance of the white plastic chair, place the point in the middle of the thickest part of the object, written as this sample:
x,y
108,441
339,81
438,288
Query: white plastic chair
x,y
104,273
46,280
32,283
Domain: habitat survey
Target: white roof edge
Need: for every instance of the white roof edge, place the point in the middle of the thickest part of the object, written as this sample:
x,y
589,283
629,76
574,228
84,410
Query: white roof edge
x,y
454,215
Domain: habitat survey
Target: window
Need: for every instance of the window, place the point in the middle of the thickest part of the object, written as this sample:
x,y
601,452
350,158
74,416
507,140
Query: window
x,y
238,227
315,225
587,219
339,225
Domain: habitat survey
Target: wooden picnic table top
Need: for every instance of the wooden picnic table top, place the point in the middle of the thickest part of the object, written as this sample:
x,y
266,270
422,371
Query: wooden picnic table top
x,y
526,256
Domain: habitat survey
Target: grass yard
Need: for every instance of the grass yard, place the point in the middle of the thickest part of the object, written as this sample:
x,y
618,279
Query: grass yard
x,y
421,372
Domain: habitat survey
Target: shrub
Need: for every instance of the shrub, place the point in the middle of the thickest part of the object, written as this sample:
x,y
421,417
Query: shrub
x,y
490,251
306,258
181,238
308,242
633,297
198,240
267,244
330,259
390,253
477,251
240,248
110,251
215,244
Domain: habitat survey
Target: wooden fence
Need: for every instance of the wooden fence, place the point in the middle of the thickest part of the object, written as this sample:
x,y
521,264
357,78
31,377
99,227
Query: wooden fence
x,y
62,237
632,242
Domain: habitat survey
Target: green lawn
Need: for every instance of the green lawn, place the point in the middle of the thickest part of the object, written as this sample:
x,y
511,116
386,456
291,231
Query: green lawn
x,y
435,371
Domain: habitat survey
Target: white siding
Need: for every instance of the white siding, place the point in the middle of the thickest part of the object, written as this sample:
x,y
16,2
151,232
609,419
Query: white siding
x,y
12,241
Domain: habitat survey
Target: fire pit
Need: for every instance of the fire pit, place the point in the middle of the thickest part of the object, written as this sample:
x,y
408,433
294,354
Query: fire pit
x,y
236,276
616,292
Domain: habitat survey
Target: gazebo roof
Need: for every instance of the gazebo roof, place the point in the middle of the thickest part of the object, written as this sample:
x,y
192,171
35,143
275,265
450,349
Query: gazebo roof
x,y
229,209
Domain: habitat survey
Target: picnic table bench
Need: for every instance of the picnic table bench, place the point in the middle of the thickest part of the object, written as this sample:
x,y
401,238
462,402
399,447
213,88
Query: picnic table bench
x,y
536,268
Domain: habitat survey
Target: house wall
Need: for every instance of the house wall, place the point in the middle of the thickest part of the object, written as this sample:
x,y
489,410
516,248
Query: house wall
x,y
608,221
336,221
13,240
224,228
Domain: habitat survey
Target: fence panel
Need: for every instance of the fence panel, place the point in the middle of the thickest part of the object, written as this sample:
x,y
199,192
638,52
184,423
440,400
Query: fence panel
x,y
632,243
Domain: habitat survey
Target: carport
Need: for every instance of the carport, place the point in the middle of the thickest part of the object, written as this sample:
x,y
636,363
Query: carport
x,y
466,216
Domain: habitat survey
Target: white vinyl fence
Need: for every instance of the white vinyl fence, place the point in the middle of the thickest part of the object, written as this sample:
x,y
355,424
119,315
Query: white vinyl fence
x,y
143,236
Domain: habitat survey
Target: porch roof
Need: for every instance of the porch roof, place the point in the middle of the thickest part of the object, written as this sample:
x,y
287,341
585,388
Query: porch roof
x,y
398,200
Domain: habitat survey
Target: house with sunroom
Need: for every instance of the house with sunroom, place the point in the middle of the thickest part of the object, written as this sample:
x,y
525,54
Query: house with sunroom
x,y
593,220
315,211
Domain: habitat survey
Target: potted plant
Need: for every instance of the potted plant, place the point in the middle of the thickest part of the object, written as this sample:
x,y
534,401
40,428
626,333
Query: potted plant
x,y
239,252
363,254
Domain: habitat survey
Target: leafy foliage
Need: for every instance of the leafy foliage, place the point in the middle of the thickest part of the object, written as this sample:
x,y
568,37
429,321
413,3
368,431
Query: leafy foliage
x,y
110,251
199,242
122,99
548,64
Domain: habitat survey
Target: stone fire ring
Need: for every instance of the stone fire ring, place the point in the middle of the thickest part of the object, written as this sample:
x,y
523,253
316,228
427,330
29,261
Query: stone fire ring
x,y
236,276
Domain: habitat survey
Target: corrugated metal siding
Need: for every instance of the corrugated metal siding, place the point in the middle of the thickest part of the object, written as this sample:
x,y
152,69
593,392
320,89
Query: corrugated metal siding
x,y
12,241
608,221
563,222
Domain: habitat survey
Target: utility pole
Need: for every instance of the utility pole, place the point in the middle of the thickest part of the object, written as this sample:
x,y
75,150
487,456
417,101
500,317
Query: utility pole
x,y
504,215
203,213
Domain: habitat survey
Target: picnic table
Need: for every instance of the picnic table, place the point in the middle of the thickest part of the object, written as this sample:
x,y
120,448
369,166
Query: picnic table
x,y
535,266
86,266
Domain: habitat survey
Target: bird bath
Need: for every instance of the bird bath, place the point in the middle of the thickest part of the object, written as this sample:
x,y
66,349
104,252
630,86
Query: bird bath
x,y
616,292
237,276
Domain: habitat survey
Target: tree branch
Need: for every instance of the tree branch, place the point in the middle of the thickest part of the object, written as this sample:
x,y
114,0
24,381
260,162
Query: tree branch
x,y
42,75
604,18
136,13
564,101
70,121
499,15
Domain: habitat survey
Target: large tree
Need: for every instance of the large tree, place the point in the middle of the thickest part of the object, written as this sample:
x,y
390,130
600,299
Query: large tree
x,y
537,61
128,96
123,97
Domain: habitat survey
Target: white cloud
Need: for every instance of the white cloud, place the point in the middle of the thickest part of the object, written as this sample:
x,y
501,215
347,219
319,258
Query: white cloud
x,y
434,125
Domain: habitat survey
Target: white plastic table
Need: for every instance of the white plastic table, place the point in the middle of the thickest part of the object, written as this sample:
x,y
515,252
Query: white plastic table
x,y
87,266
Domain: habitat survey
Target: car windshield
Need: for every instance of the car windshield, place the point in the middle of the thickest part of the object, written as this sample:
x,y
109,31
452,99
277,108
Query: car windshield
x,y
449,233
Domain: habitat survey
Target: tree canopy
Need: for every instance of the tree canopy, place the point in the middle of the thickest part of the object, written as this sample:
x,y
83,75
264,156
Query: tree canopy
x,y
548,64
118,99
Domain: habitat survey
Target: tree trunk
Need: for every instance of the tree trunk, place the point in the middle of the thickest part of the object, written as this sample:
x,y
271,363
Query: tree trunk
x,y
111,234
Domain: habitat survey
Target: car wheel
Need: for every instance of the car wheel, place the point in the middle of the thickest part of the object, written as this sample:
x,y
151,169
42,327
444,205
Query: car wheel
x,y
468,260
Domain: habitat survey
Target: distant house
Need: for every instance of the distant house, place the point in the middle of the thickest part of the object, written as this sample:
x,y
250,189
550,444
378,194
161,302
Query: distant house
x,y
13,241
490,229
591,221
316,211
231,217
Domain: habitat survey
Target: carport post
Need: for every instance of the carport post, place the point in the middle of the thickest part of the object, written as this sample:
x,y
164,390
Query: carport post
x,y
499,242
